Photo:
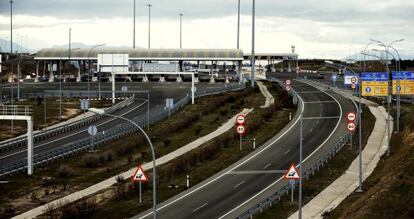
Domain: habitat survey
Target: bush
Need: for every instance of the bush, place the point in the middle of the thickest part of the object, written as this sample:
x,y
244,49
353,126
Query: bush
x,y
120,179
91,160
64,171
109,156
198,129
167,142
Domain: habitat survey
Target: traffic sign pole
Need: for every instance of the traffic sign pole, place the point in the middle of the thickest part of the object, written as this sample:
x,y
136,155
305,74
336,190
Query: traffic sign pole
x,y
240,142
140,193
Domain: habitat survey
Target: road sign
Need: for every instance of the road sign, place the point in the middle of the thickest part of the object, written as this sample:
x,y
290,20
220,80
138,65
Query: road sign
x,y
374,84
351,126
84,104
291,173
288,82
240,119
241,129
139,175
351,116
92,130
124,89
353,86
169,103
354,80
288,88
406,82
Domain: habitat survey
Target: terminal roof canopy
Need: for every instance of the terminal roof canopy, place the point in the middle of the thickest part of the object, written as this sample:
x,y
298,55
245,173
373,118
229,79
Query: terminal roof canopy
x,y
144,54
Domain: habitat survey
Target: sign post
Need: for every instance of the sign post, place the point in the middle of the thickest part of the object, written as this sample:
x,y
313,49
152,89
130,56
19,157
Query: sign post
x,y
351,118
291,174
241,129
139,177
92,130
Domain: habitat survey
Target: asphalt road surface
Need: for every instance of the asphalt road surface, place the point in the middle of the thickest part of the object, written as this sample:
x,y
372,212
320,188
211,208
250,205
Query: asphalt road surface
x,y
158,94
222,194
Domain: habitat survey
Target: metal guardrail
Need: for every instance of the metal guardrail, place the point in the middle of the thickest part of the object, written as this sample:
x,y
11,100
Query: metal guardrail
x,y
39,136
15,110
310,166
111,135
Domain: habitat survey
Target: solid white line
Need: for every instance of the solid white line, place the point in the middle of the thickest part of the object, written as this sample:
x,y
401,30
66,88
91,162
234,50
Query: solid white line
x,y
268,165
238,184
227,172
252,172
200,207
326,117
257,194
76,133
326,101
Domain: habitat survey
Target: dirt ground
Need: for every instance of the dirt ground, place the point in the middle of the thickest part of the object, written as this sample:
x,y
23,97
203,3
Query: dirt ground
x,y
389,191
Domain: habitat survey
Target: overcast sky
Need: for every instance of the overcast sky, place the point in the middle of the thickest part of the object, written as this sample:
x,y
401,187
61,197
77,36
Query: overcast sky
x,y
318,28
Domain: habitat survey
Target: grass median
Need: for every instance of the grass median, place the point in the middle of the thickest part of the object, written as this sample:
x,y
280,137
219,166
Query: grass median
x,y
66,176
121,200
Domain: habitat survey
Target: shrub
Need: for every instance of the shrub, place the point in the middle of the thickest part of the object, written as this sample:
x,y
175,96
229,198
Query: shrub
x,y
109,156
167,142
64,171
91,160
120,179
198,129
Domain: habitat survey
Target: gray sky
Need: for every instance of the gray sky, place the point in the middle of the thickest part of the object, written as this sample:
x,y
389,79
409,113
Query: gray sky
x,y
318,28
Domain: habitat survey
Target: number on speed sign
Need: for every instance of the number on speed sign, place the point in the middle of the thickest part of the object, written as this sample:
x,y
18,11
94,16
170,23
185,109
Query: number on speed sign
x,y
240,129
351,127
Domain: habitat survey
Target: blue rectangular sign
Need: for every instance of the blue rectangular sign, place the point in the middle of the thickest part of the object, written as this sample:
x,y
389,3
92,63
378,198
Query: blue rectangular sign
x,y
374,76
403,75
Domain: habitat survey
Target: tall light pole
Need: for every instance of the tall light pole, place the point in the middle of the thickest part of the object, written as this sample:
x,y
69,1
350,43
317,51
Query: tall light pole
x,y
149,26
253,35
11,27
154,173
133,33
398,68
60,79
181,30
388,99
90,70
238,24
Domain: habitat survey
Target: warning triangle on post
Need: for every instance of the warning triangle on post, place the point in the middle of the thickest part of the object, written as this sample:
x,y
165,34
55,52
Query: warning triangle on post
x,y
139,175
292,172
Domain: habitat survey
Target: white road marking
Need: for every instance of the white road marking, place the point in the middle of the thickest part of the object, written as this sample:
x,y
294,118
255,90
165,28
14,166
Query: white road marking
x,y
268,165
76,133
238,184
252,172
200,207
287,151
257,194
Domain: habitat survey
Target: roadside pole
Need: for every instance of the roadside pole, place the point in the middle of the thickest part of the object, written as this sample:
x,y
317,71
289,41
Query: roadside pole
x,y
140,193
45,110
300,162
148,115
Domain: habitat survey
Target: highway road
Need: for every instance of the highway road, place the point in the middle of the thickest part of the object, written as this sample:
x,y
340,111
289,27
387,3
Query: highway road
x,y
224,194
158,94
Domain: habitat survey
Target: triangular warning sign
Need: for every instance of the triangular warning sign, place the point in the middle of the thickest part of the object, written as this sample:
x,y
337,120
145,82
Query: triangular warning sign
x,y
139,175
292,172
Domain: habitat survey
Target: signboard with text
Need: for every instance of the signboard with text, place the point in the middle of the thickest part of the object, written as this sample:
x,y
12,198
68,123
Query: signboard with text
x,y
374,84
406,83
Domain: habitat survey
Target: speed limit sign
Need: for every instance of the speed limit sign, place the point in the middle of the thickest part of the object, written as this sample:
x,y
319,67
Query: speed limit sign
x,y
240,129
288,82
351,126
288,88
354,80
353,86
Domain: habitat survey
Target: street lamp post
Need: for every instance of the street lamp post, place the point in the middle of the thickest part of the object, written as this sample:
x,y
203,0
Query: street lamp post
x,y
253,35
388,100
154,184
133,33
90,70
181,30
238,24
149,26
397,69
60,79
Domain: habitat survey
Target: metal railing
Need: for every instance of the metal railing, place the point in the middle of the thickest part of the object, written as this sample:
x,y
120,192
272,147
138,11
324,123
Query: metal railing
x,y
42,135
15,110
110,135
310,166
